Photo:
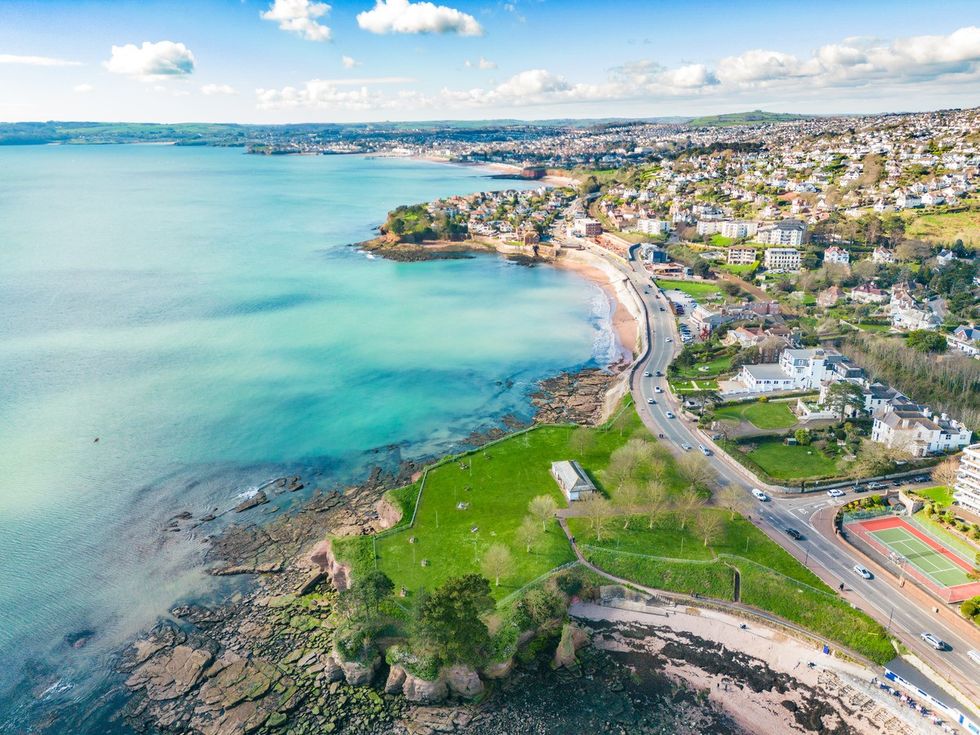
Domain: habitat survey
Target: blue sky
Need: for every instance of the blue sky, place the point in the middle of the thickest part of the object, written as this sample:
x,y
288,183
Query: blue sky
x,y
303,60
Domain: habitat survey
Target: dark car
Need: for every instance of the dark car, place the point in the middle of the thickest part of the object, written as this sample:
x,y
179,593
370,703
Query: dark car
x,y
794,533
859,489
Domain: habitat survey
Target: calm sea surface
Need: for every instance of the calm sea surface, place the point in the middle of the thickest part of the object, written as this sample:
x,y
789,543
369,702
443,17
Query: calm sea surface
x,y
199,312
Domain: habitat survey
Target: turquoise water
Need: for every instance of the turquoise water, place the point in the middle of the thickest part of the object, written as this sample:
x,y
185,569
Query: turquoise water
x,y
199,312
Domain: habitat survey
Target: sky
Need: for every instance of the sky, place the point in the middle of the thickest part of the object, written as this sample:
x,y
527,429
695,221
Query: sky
x,y
279,61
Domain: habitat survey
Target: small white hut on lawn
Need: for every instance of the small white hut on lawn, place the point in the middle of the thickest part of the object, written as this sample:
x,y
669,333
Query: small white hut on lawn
x,y
572,480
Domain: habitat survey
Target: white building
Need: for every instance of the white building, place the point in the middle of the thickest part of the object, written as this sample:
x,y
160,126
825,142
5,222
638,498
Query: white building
x,y
586,227
784,232
742,256
837,255
910,431
967,489
738,229
765,378
709,227
652,226
883,256
965,339
782,260
571,478
808,367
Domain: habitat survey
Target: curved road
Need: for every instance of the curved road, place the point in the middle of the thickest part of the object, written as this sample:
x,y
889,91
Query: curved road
x,y
880,597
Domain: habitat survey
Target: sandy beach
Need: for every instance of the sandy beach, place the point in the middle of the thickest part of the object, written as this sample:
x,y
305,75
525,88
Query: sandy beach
x,y
769,682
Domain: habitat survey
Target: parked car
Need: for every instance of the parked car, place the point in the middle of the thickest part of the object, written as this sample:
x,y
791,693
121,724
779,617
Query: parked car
x,y
759,494
835,493
863,571
793,533
859,489
670,415
662,308
875,485
935,641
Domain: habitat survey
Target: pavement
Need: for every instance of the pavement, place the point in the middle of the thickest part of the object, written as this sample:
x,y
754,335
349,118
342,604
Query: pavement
x,y
905,615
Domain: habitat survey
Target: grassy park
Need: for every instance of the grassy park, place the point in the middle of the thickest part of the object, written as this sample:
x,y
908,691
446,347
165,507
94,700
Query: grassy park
x,y
762,415
783,462
941,495
695,289
709,369
947,227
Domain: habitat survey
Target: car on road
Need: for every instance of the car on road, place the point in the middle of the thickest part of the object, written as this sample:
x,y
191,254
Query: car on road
x,y
662,309
859,489
704,450
921,478
793,533
670,414
650,400
668,339
935,641
686,447
835,493
759,494
647,375
660,374
658,389
875,485
975,655
863,572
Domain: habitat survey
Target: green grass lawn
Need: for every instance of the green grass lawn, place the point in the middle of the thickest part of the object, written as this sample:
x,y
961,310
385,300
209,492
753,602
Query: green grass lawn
x,y
739,270
720,241
497,483
784,462
715,367
941,494
769,415
695,289
675,559
946,228
690,386
872,327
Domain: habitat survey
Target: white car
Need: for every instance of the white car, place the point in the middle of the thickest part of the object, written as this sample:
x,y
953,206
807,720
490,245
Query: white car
x,y
669,414
835,493
975,655
686,447
704,450
938,643
650,400
668,339
759,494
647,375
658,389
863,572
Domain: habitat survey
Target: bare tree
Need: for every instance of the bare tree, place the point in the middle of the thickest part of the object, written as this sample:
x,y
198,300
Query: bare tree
x,y
656,502
597,510
529,534
497,561
730,497
709,525
627,500
687,506
542,507
582,440
696,470
946,472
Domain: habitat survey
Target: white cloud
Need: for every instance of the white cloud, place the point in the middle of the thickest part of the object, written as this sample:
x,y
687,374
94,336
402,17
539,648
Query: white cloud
x,y
83,88
402,16
218,89
151,60
757,65
300,17
331,94
691,76
36,60
484,64
349,62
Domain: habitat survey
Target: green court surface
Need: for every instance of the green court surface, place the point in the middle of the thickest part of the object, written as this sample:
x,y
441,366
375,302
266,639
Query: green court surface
x,y
935,565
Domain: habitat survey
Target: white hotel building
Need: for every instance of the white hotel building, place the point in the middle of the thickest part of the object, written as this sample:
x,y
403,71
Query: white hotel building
x,y
967,489
782,260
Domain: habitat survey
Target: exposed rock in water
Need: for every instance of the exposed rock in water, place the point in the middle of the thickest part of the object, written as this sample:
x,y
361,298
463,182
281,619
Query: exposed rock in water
x,y
260,498
573,398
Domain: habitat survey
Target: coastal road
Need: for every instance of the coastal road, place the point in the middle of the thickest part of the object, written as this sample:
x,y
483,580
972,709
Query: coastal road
x,y
881,597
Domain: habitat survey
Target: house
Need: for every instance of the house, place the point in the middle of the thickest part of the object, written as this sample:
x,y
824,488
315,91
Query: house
x,y
586,227
669,271
868,293
965,339
738,229
883,256
652,226
765,378
571,478
966,492
911,431
742,256
808,367
944,258
782,260
837,255
785,232
830,296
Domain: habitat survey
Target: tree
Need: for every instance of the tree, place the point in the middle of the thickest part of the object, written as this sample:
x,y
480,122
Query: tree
x,y
529,534
627,500
687,506
582,440
730,497
875,459
497,561
362,600
946,472
709,526
597,509
542,507
925,340
448,623
802,437
842,395
705,396
655,502
696,470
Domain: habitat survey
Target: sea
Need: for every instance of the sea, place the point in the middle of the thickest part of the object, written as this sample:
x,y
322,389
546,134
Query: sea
x,y
179,325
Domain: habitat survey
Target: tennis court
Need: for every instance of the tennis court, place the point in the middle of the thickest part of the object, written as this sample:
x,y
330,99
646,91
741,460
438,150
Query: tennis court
x,y
925,553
